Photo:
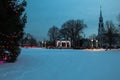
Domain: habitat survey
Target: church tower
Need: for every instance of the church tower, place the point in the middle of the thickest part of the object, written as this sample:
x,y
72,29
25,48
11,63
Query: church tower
x,y
101,29
101,24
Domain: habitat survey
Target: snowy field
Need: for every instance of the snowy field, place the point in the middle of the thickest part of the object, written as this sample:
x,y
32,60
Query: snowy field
x,y
63,64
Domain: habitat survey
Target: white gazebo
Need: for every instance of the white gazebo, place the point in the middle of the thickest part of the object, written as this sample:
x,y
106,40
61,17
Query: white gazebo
x,y
63,44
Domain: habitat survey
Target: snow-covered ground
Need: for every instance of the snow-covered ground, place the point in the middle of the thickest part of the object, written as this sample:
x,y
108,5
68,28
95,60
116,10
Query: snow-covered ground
x,y
63,64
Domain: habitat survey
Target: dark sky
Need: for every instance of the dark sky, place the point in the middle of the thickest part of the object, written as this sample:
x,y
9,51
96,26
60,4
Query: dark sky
x,y
43,14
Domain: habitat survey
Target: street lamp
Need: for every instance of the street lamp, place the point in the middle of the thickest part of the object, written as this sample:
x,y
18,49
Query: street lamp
x,y
92,43
96,43
45,44
42,43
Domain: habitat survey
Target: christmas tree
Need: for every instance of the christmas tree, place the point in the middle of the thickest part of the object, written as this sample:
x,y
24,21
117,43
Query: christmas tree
x,y
12,22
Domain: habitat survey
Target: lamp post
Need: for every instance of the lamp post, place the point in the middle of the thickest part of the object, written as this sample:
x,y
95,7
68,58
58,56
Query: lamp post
x,y
96,43
92,43
45,44
42,43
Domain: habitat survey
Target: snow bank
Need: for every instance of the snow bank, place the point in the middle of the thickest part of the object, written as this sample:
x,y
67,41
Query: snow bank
x,y
95,49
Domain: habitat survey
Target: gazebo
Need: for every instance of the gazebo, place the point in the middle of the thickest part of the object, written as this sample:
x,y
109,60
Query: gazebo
x,y
63,44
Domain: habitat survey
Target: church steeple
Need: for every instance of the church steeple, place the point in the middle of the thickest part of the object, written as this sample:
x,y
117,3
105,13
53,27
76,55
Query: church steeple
x,y
101,29
101,23
100,11
101,17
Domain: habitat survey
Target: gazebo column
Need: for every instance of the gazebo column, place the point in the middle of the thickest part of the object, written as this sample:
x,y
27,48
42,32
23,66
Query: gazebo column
x,y
66,44
60,44
69,44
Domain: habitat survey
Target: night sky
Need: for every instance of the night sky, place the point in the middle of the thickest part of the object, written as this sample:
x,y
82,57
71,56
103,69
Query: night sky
x,y
43,14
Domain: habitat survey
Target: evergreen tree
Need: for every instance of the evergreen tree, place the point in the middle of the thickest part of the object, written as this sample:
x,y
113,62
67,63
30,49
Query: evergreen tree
x,y
12,22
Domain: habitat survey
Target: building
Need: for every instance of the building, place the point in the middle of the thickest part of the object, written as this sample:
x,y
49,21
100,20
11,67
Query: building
x,y
101,30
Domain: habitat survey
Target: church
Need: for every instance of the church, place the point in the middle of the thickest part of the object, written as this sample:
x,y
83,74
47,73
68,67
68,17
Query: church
x,y
101,30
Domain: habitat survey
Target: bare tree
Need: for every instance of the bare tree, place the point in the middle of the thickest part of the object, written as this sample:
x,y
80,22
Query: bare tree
x,y
72,30
111,33
53,34
93,36
119,17
119,23
119,30
28,40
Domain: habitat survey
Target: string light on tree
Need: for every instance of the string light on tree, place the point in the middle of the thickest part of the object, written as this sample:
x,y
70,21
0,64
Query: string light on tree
x,y
9,36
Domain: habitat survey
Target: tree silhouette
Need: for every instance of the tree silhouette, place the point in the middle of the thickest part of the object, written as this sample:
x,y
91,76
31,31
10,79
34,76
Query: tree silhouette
x,y
119,17
119,23
12,22
72,30
28,40
53,34
111,33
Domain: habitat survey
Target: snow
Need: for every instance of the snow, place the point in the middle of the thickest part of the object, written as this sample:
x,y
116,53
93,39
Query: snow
x,y
63,64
